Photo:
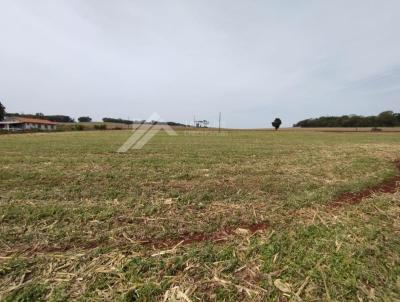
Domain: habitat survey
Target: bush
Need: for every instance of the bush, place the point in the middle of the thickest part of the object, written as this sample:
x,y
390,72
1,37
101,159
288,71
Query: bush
x,y
100,127
79,127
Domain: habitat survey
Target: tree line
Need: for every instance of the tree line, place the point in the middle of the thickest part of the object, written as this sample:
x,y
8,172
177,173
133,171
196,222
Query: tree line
x,y
384,119
85,119
82,119
52,118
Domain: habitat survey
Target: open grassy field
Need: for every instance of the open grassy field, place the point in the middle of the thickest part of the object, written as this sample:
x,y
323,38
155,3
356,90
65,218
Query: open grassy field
x,y
243,216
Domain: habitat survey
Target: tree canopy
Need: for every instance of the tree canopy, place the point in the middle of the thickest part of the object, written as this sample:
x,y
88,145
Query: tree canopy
x,y
384,119
84,119
2,112
52,118
117,120
277,123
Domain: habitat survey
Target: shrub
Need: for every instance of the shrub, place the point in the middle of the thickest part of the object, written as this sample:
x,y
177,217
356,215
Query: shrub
x,y
100,127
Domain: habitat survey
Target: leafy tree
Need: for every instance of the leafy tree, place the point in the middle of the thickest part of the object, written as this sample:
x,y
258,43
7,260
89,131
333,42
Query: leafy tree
x,y
387,118
2,112
397,116
384,119
84,119
276,123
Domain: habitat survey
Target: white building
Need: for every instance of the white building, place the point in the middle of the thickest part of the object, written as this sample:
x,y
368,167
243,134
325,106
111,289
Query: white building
x,y
23,123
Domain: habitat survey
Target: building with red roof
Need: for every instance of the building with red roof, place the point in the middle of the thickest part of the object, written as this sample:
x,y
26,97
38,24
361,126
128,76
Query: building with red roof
x,y
24,123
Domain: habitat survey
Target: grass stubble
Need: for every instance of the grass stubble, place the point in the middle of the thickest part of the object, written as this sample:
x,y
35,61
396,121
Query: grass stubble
x,y
176,221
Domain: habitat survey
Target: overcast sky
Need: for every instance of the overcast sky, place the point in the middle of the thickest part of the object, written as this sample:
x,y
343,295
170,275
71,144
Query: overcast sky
x,y
252,60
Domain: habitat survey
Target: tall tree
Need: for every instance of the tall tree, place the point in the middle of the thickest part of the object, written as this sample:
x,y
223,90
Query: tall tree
x,y
2,112
277,123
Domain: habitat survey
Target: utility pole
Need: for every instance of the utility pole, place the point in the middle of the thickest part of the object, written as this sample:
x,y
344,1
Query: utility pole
x,y
219,123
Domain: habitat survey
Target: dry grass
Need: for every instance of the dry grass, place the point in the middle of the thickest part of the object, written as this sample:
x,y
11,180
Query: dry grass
x,y
81,222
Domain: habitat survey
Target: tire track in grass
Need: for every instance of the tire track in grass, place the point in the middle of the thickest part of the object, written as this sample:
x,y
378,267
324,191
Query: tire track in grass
x,y
388,186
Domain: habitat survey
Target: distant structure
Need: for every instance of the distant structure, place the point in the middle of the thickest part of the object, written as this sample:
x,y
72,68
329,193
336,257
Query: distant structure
x,y
201,124
23,123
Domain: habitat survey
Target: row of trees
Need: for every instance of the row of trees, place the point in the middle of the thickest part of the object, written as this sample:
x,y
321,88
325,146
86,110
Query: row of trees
x,y
82,119
128,122
117,121
53,118
384,119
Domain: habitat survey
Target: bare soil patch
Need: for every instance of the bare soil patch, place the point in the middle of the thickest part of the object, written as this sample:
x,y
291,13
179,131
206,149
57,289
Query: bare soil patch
x,y
389,186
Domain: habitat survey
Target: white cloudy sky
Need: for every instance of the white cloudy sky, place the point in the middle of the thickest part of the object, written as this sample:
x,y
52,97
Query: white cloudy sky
x,y
253,60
